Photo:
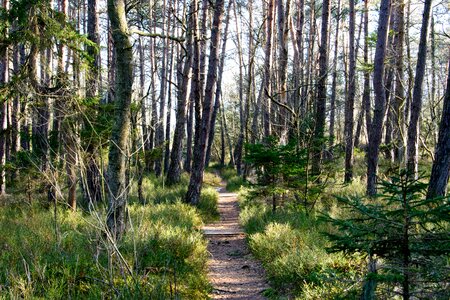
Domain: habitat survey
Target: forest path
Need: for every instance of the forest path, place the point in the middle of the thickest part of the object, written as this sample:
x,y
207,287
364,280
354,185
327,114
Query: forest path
x,y
232,270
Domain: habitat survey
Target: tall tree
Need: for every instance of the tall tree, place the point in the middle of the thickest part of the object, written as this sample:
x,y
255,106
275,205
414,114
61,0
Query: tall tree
x,y
196,180
350,101
267,91
441,165
334,80
174,171
321,92
412,150
4,78
380,98
117,179
218,93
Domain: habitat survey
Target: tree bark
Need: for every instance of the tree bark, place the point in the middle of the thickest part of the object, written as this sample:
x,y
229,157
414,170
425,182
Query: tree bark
x,y
412,151
350,101
117,183
267,70
196,180
441,165
174,172
320,104
218,93
334,80
4,78
380,99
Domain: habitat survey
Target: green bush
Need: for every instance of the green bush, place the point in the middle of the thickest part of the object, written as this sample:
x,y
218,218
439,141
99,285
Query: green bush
x,y
292,249
235,183
208,204
227,173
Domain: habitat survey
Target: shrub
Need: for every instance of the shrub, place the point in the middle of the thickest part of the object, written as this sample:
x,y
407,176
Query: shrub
x,y
235,183
403,228
292,249
208,204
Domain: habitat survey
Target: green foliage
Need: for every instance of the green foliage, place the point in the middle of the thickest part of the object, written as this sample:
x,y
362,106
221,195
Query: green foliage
x,y
163,247
283,170
155,191
235,183
290,245
408,232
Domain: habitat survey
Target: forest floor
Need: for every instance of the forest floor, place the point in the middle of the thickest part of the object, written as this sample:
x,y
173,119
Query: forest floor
x,y
232,270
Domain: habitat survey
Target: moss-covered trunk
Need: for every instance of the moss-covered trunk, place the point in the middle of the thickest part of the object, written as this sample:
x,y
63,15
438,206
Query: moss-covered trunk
x,y
117,184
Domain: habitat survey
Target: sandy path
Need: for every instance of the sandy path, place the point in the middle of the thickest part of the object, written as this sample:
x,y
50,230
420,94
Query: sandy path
x,y
233,272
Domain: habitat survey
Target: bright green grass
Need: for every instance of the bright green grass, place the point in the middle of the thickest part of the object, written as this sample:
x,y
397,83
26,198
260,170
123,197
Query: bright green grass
x,y
162,255
292,249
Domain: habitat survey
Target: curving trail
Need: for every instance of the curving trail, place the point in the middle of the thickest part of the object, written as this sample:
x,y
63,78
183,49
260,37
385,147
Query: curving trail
x,y
233,272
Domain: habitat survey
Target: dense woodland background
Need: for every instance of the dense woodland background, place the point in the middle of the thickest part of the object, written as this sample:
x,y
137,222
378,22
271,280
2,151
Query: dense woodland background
x,y
116,113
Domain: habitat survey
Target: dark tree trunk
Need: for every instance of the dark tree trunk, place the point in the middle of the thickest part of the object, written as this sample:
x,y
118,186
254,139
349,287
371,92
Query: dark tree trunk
x,y
159,141
117,179
267,92
380,99
350,101
441,165
412,151
196,180
320,104
93,188
174,172
218,93
399,99
334,80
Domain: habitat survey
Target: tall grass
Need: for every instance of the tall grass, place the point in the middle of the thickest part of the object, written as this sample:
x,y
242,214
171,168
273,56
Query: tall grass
x,y
292,249
162,255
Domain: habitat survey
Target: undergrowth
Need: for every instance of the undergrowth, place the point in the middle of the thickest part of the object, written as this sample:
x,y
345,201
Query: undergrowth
x,y
62,255
292,248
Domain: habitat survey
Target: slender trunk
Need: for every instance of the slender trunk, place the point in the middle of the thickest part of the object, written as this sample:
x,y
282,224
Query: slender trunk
x,y
380,98
218,93
196,180
162,98
412,151
399,98
320,104
267,70
334,80
174,172
366,88
350,101
4,78
117,183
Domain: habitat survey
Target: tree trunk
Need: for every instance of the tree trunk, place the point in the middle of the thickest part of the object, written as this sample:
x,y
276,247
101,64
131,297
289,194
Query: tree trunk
x,y
320,104
93,188
350,101
117,183
218,93
380,99
196,180
267,92
174,172
412,151
441,165
4,78
399,99
366,88
162,98
334,80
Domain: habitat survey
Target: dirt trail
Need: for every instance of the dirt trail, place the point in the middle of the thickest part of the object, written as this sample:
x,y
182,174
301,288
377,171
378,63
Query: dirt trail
x,y
233,272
